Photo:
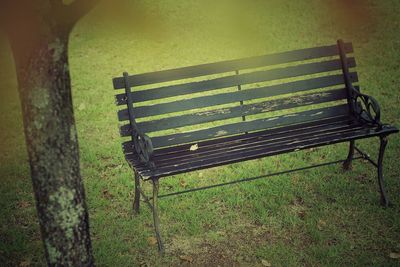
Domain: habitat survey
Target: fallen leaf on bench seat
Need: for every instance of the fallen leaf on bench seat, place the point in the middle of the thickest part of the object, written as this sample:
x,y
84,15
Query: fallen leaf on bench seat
x,y
194,147
186,258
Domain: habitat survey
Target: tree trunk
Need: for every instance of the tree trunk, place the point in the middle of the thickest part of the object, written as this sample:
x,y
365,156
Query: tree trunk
x,y
51,138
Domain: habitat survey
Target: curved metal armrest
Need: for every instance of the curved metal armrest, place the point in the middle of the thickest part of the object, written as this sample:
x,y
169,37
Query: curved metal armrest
x,y
143,146
142,143
366,108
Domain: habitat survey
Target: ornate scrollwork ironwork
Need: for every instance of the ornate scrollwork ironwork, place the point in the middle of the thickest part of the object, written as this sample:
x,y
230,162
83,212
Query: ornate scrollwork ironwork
x,y
366,108
143,146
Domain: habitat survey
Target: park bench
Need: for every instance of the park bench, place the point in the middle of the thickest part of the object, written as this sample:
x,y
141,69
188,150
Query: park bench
x,y
198,117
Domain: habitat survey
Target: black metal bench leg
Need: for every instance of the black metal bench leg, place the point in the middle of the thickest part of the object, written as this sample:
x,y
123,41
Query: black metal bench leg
x,y
136,200
155,216
347,163
384,199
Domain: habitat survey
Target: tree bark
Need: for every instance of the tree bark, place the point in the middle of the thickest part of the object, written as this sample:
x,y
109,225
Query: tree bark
x,y
51,138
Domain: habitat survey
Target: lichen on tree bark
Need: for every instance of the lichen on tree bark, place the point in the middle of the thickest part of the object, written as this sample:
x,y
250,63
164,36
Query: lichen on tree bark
x,y
51,137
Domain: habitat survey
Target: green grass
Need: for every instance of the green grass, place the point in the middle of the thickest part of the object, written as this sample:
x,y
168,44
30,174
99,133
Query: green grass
x,y
320,217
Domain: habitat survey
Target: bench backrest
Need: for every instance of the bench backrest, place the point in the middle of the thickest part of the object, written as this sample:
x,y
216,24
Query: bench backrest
x,y
190,104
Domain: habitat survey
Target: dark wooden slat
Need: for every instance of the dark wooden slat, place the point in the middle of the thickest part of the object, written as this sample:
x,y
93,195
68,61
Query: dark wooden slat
x,y
232,97
127,146
233,80
230,65
238,111
262,152
248,126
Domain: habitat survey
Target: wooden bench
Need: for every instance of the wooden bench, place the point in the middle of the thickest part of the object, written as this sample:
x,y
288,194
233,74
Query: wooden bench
x,y
215,114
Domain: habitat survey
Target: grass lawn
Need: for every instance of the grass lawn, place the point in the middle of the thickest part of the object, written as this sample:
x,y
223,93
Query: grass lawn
x,y
319,217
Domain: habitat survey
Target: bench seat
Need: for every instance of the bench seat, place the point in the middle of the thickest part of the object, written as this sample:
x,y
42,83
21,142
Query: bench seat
x,y
217,152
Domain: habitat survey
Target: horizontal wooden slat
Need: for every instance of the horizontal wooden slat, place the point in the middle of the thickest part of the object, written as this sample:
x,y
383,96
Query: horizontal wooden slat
x,y
234,80
231,65
237,96
238,111
248,126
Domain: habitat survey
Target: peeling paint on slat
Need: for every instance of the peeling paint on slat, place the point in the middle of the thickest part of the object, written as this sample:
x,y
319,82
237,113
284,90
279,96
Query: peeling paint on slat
x,y
318,113
221,133
213,112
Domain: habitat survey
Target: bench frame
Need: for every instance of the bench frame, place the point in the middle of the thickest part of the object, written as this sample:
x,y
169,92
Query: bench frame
x,y
365,108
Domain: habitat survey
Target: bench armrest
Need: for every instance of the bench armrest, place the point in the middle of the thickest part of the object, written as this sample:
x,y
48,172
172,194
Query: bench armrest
x,y
366,109
142,142
143,146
